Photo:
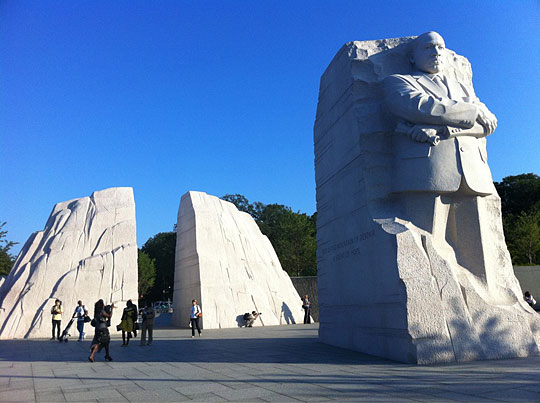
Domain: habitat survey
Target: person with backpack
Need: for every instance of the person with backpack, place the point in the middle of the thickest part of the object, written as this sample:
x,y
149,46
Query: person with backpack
x,y
80,313
102,337
195,315
148,316
250,318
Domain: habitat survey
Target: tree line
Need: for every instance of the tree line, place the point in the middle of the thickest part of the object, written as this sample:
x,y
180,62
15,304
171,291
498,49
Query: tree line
x,y
293,236
520,200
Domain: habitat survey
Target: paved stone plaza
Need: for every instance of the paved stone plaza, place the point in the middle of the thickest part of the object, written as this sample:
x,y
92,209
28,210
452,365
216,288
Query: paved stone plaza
x,y
259,364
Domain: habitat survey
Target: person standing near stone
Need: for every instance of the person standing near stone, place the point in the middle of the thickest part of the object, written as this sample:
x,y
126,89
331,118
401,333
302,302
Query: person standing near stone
x,y
194,317
148,316
306,306
136,319
129,316
56,311
80,313
102,337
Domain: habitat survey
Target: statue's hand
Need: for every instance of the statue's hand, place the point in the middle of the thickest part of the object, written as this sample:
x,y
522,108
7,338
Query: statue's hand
x,y
424,134
486,118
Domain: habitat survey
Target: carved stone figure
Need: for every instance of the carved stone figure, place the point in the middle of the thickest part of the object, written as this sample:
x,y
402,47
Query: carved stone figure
x,y
427,102
411,254
440,160
87,251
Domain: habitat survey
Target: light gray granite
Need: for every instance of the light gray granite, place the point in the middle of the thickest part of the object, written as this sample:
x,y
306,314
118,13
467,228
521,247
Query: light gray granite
x,y
87,251
225,262
412,263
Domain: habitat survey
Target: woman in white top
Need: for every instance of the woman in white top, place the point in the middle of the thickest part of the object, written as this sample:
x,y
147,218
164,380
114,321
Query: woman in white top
x,y
194,316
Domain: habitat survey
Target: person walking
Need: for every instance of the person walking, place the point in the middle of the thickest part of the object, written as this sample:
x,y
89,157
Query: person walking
x,y
129,317
306,306
56,311
102,337
195,315
80,313
148,316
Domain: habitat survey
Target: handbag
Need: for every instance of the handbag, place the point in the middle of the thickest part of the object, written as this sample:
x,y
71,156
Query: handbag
x,y
93,322
136,326
199,315
87,319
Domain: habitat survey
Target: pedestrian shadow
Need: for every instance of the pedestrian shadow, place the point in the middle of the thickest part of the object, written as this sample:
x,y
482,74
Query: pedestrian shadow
x,y
287,314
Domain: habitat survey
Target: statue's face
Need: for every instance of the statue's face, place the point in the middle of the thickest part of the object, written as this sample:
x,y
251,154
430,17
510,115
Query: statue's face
x,y
427,55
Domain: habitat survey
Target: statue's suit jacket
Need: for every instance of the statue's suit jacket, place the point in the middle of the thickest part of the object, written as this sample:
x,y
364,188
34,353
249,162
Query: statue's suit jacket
x,y
418,166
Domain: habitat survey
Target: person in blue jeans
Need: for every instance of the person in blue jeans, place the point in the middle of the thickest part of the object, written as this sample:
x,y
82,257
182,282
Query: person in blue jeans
x,y
194,317
80,313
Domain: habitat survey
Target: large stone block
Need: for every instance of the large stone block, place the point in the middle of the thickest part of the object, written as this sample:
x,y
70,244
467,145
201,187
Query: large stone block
x,y
226,263
87,251
389,285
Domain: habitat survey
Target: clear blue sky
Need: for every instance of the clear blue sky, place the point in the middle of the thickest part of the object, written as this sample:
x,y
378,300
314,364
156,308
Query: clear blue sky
x,y
218,96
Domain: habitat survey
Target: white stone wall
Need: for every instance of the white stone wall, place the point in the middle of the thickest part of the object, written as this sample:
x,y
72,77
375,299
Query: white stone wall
x,y
385,287
229,266
87,251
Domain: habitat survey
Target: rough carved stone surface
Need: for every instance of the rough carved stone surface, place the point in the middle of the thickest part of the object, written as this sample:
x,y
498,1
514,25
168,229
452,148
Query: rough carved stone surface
x,y
387,287
87,251
226,263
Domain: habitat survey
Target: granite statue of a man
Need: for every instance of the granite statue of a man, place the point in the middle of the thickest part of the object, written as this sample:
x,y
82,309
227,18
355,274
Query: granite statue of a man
x,y
440,160
412,262
432,106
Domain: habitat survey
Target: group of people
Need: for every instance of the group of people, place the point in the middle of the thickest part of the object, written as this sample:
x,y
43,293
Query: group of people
x,y
128,326
102,321
249,318
80,313
129,322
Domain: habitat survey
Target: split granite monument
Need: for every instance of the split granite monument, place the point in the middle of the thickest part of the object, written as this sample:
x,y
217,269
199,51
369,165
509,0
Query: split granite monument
x,y
226,263
411,255
87,251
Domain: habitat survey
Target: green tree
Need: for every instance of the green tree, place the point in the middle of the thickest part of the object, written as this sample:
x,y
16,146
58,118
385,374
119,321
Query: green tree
x,y
161,248
520,201
292,234
519,193
6,258
524,238
242,204
147,273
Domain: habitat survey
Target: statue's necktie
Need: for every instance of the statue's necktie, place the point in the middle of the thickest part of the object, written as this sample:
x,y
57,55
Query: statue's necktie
x,y
440,83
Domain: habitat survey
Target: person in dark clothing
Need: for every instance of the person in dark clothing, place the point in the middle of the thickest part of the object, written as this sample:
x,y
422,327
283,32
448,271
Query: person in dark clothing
x,y
102,338
306,306
250,318
129,317
148,316
530,300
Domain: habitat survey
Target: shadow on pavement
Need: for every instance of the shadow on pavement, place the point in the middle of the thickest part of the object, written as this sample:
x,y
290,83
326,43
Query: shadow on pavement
x,y
198,350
